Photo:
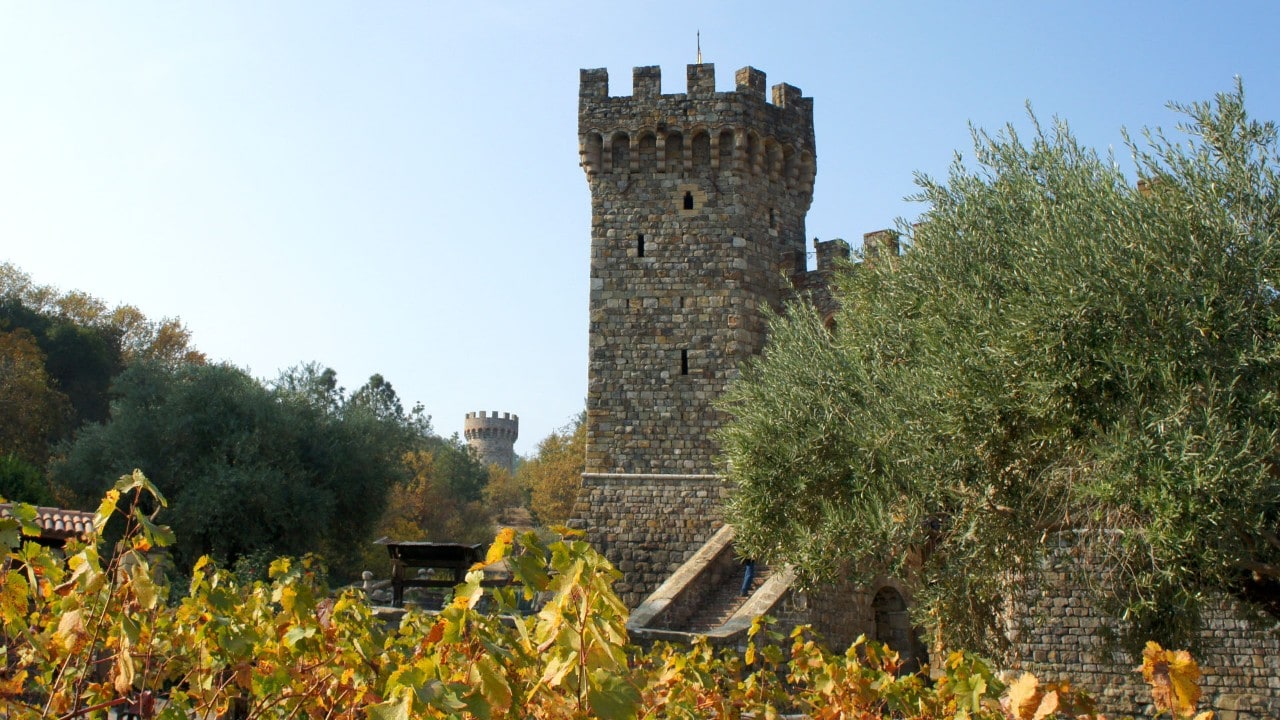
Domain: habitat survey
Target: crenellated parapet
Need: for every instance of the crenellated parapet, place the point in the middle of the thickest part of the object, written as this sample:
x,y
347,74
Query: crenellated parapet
x,y
698,132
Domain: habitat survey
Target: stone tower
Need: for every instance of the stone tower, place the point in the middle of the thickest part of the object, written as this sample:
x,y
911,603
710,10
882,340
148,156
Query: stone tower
x,y
493,437
698,206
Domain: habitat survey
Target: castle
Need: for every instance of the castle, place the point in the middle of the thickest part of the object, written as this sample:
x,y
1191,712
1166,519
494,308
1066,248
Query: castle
x,y
698,204
492,437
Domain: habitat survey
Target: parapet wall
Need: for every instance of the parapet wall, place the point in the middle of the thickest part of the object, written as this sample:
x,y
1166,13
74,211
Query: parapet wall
x,y
733,132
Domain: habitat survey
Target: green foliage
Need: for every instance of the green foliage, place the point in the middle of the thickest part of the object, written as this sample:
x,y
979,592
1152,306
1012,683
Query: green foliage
x,y
247,469
59,353
99,630
441,497
1059,351
32,411
78,360
554,474
20,481
131,335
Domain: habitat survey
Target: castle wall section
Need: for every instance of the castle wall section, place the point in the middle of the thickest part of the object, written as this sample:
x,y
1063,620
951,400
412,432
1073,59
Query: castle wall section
x,y
1240,661
698,205
649,525
698,224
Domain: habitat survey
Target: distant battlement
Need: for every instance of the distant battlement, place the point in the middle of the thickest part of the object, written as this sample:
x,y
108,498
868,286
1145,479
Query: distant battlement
x,y
491,425
492,415
698,132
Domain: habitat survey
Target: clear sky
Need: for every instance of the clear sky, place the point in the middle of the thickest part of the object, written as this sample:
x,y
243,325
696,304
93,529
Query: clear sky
x,y
394,187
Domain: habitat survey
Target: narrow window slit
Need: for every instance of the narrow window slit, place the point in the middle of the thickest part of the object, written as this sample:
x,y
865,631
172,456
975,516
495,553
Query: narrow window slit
x,y
684,362
688,200
640,245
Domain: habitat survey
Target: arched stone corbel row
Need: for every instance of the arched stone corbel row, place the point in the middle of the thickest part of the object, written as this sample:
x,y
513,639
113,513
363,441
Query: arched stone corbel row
x,y
675,151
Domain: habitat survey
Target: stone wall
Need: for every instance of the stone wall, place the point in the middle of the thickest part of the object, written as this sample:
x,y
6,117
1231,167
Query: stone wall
x,y
648,526
1240,662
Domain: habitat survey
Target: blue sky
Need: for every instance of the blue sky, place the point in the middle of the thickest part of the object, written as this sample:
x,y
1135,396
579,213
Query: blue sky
x,y
394,187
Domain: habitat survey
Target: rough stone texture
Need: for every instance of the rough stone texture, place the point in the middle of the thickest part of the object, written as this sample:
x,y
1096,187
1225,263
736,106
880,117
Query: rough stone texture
x,y
698,203
1240,663
649,525
493,437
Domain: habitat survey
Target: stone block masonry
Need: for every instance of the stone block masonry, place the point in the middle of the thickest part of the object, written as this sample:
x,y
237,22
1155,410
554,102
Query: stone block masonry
x,y
649,525
698,206
1240,661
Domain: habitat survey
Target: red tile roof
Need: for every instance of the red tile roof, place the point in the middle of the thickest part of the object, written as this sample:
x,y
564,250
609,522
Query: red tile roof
x,y
57,524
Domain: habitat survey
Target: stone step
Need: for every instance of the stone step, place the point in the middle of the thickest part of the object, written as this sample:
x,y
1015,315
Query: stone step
x,y
725,600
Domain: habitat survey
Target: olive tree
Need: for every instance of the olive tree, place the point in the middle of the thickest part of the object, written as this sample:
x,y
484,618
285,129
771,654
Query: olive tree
x,y
1061,351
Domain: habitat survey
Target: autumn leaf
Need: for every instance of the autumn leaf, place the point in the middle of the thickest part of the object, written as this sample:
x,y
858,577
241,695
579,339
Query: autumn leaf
x,y
1174,678
1023,697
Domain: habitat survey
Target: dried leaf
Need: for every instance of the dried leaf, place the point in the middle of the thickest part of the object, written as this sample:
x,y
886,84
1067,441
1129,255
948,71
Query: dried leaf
x,y
1023,697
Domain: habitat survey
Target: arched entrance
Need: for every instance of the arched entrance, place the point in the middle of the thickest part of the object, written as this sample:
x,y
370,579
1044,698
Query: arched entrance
x,y
893,628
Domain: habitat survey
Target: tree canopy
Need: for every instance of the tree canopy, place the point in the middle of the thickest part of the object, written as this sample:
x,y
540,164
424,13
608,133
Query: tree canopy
x,y
1061,350
554,474
247,468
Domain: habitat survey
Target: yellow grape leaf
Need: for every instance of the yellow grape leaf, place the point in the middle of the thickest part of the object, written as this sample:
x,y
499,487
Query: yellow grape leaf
x,y
396,708
1184,675
124,672
557,667
493,684
14,592
70,629
1174,678
498,549
1048,706
1023,696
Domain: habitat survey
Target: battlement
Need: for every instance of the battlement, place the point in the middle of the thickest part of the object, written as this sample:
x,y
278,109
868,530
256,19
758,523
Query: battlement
x,y
646,83
830,252
490,423
880,244
700,130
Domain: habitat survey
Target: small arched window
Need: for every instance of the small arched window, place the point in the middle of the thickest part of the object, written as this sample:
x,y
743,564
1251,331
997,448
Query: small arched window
x,y
688,200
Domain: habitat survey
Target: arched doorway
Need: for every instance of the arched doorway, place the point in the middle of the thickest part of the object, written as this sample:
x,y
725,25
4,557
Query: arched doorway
x,y
893,628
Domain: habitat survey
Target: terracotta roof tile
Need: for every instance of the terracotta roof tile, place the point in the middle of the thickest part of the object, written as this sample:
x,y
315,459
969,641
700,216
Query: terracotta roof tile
x,y
58,524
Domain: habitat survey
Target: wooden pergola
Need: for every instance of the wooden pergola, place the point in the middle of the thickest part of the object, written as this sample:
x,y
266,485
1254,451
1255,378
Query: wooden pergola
x,y
407,555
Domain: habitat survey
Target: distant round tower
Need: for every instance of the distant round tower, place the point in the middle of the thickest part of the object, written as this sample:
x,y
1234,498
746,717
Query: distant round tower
x,y
493,437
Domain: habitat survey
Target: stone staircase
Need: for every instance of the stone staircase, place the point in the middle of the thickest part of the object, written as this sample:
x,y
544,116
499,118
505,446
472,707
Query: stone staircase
x,y
702,598
724,601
